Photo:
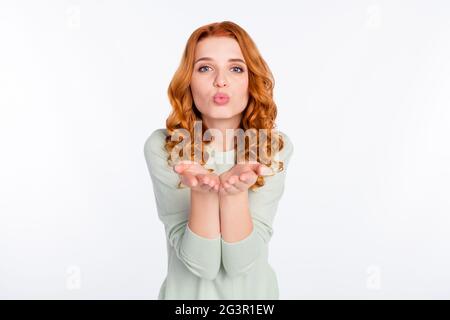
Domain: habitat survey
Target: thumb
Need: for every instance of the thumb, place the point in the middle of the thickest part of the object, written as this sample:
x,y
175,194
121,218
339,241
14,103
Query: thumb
x,y
264,170
180,167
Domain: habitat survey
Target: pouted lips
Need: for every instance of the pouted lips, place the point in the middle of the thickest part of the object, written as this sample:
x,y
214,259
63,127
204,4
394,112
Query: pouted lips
x,y
221,98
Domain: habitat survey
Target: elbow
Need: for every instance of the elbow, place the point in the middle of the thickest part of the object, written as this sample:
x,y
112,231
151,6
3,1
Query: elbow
x,y
206,268
207,271
210,274
233,270
239,258
201,256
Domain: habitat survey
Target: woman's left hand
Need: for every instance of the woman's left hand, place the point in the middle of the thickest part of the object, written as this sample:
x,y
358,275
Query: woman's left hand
x,y
239,178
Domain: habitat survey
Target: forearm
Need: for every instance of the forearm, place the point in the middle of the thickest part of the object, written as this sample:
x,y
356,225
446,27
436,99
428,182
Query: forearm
x,y
235,218
204,215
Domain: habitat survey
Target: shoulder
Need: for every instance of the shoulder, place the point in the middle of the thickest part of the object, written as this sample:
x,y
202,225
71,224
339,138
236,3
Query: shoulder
x,y
161,171
155,143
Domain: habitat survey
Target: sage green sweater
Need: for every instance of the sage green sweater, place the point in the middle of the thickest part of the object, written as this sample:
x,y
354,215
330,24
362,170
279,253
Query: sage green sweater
x,y
203,268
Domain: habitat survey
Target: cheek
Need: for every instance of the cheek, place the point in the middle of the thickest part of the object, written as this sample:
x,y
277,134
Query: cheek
x,y
199,94
243,88
197,89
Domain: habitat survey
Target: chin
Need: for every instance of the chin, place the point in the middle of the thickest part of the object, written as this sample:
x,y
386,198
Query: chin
x,y
222,116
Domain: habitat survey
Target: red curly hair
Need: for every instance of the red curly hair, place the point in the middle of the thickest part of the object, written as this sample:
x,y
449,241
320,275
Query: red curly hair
x,y
260,112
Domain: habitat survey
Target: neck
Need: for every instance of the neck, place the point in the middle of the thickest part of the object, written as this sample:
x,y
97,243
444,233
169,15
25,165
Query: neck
x,y
219,127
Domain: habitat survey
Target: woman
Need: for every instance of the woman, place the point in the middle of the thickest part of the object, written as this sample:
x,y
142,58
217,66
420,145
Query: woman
x,y
218,211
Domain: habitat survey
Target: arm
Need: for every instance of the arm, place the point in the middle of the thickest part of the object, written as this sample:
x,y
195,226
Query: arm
x,y
204,217
235,218
200,253
246,222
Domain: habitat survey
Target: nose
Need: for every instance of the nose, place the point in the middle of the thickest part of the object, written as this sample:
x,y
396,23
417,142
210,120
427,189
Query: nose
x,y
220,81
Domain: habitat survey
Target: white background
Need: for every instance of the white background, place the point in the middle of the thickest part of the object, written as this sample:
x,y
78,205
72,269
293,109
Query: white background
x,y
363,91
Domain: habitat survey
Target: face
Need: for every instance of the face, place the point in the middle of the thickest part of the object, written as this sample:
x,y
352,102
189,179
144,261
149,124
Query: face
x,y
217,70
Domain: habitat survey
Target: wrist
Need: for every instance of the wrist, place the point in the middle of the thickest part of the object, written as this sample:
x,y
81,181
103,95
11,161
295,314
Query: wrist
x,y
225,197
204,194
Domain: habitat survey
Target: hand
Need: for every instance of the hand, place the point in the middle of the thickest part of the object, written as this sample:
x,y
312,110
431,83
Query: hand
x,y
239,178
196,177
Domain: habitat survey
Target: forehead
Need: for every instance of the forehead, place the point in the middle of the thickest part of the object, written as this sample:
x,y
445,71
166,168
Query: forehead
x,y
219,48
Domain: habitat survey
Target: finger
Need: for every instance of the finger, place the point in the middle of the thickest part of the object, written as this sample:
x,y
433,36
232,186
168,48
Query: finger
x,y
204,182
232,179
180,167
214,181
222,190
254,167
202,178
248,177
214,187
241,186
190,180
225,185
211,179
230,189
205,187
264,170
224,177
209,186
233,190
237,185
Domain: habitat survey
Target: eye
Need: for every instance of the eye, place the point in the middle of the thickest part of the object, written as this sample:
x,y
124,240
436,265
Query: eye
x,y
242,70
235,67
199,69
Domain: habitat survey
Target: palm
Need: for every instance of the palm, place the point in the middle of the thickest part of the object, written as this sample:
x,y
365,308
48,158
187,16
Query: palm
x,y
196,177
240,177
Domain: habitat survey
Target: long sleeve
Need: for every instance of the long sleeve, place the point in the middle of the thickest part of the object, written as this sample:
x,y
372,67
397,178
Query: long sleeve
x,y
239,257
202,256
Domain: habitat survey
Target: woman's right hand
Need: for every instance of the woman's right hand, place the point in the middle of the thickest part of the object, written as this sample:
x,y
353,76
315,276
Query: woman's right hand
x,y
196,177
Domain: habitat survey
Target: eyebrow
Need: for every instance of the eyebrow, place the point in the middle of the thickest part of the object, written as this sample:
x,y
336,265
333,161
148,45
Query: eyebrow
x,y
211,59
